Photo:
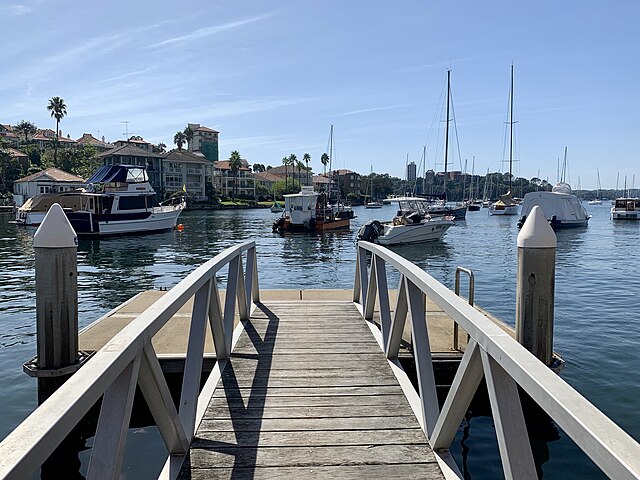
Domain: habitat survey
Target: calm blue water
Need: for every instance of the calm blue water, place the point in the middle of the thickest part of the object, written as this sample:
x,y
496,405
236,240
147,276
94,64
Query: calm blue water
x,y
597,315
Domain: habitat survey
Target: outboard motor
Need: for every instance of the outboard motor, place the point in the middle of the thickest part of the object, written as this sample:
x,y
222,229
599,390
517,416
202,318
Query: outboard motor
x,y
370,231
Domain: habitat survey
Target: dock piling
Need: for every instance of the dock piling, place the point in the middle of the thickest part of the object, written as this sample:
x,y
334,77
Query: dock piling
x,y
535,286
55,245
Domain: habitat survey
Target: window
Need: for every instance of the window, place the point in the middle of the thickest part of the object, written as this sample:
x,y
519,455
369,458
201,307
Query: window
x,y
132,203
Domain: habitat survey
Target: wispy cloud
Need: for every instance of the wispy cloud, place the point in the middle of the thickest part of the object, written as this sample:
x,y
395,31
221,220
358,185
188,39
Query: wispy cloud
x,y
15,10
375,109
208,31
441,64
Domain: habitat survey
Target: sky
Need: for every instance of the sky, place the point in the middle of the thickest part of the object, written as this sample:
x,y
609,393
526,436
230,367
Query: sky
x,y
272,77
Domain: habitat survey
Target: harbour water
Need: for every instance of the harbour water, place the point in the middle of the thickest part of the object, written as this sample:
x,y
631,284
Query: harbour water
x,y
597,316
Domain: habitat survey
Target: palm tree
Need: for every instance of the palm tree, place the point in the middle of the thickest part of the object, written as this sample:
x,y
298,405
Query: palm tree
x,y
27,129
292,162
188,135
324,159
58,111
300,166
235,162
285,162
307,158
179,138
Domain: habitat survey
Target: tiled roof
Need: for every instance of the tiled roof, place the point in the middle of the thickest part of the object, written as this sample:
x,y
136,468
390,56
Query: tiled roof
x,y
320,179
15,153
205,129
54,174
88,139
266,176
224,165
185,156
131,151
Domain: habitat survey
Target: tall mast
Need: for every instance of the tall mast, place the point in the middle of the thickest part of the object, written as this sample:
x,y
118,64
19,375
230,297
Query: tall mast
x,y
446,135
330,158
511,129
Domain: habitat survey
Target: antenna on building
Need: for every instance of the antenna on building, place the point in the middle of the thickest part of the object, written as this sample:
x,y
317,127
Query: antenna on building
x,y
126,130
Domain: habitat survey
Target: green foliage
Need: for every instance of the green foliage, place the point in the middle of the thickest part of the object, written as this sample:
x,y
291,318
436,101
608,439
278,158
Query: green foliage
x,y
281,188
179,139
58,111
258,167
235,163
26,129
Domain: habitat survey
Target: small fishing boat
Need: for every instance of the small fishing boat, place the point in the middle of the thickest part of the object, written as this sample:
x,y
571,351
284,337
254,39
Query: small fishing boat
x,y
412,224
276,207
309,211
118,199
626,209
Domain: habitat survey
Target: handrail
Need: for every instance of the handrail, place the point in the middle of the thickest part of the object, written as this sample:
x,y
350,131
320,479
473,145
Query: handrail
x,y
129,359
491,353
472,286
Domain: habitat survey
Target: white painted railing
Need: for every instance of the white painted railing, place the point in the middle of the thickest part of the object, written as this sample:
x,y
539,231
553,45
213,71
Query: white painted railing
x,y
491,353
129,359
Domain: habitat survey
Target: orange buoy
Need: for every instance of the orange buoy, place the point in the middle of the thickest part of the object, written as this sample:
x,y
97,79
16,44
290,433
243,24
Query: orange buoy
x,y
180,227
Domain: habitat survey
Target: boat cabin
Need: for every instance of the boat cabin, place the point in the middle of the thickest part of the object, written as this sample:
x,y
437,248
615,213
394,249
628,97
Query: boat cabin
x,y
301,207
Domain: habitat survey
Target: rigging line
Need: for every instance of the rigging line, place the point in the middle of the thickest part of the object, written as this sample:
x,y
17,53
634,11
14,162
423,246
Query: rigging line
x,y
437,115
455,129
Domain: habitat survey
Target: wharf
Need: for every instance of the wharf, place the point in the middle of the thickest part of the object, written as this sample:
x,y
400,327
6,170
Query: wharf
x,y
170,343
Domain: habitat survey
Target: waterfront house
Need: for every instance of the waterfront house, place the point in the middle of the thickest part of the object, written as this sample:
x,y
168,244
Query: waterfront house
x,y
20,157
8,134
292,174
347,181
186,170
88,140
224,180
51,180
129,154
266,179
321,183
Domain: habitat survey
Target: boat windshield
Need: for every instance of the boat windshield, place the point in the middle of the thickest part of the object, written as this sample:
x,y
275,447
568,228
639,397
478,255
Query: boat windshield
x,y
408,206
120,174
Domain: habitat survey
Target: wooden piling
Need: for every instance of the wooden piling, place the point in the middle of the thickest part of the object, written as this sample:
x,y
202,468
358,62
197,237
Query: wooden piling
x,y
535,286
55,245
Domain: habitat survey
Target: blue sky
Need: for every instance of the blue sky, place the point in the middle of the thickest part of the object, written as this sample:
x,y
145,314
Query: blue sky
x,y
272,77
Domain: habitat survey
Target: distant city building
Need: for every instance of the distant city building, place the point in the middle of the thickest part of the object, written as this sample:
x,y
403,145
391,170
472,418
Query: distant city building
x,y
188,171
411,172
51,180
205,140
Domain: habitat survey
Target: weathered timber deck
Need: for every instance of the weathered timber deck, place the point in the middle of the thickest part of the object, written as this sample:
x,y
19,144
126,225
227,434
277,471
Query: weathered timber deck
x,y
309,394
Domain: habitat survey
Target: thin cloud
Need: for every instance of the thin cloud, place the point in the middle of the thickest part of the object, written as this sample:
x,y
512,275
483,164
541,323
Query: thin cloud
x,y
16,10
208,31
375,109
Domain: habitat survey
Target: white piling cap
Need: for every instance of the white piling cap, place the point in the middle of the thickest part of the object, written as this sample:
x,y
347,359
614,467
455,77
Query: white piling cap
x,y
536,231
55,231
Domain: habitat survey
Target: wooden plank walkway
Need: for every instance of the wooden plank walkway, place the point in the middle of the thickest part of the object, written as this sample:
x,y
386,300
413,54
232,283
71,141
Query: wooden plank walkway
x,y
309,394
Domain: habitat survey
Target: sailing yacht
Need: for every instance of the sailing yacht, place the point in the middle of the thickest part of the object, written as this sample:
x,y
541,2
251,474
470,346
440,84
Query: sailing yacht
x,y
459,212
598,199
506,205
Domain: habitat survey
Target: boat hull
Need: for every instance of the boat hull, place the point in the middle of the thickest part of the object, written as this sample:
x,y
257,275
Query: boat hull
x,y
159,219
458,213
507,210
423,232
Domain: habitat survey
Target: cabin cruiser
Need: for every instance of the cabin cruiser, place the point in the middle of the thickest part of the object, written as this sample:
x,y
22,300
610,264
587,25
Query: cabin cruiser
x,y
506,205
309,211
561,208
626,209
412,224
118,199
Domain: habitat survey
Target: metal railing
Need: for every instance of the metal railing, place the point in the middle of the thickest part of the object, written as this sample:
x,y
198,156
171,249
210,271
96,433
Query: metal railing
x,y
129,359
492,354
472,288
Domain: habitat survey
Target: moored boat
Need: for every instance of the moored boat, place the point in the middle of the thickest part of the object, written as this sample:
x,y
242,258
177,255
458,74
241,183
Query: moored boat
x,y
412,224
561,208
118,199
626,209
309,211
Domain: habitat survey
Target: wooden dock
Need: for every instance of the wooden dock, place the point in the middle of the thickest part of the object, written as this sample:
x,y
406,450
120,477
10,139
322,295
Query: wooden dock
x,y
308,394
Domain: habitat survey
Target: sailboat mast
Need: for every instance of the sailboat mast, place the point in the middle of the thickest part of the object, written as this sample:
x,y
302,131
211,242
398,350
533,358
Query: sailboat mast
x,y
330,158
511,129
446,134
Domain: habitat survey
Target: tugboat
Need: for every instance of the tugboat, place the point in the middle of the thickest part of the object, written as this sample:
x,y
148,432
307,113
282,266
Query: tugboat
x,y
309,211
118,199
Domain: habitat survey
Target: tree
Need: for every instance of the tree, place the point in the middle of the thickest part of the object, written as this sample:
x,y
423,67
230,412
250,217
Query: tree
x,y
58,111
300,166
324,159
188,135
285,162
27,129
235,162
258,167
160,148
292,161
307,158
179,138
